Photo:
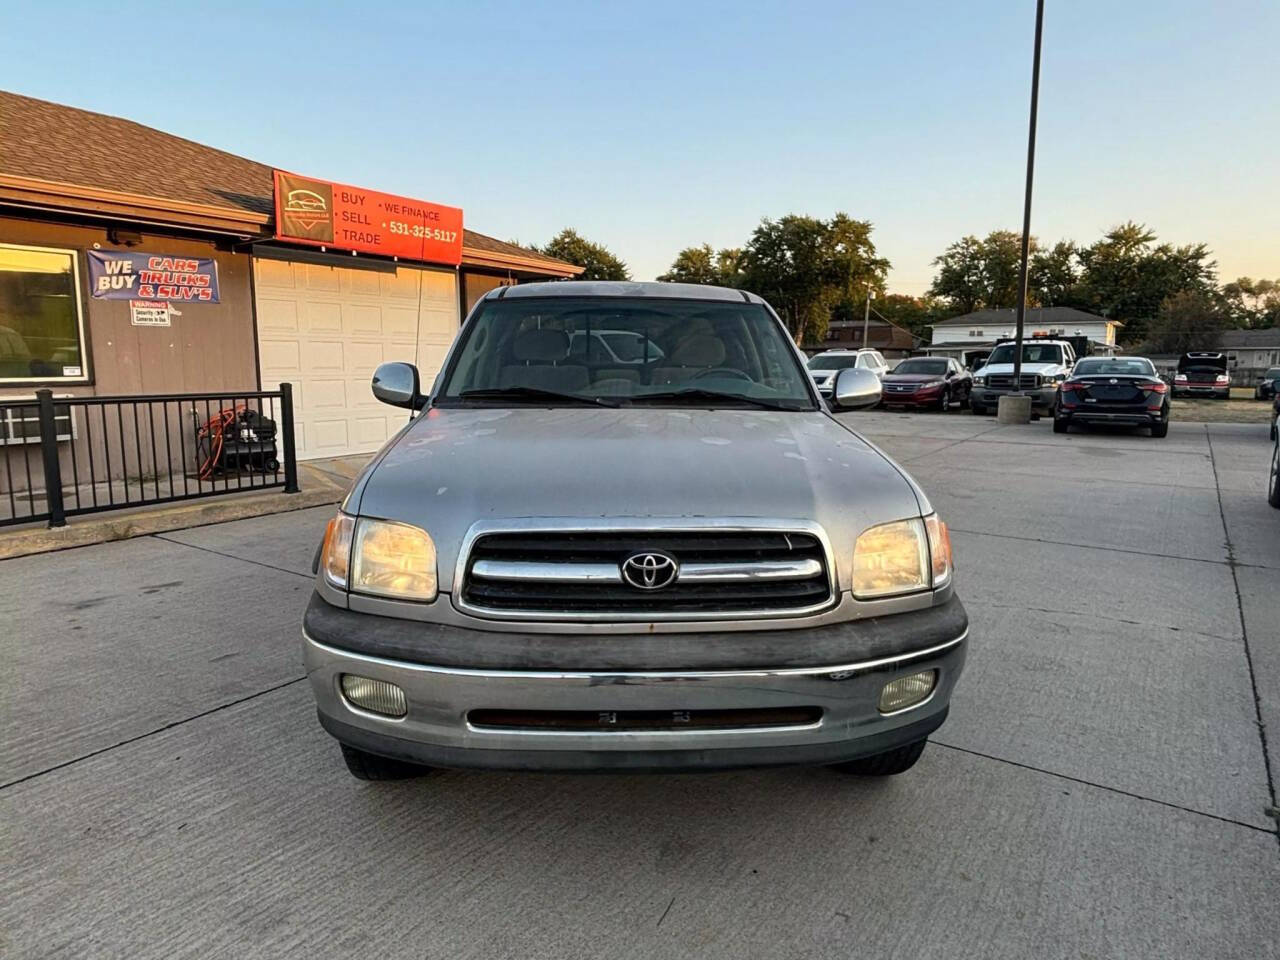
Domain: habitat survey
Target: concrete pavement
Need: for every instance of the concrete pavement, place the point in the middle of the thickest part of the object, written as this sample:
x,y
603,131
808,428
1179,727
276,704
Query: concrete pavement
x,y
1098,791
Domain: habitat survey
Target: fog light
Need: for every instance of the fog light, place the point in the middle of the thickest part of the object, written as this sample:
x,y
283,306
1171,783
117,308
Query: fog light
x,y
907,691
377,696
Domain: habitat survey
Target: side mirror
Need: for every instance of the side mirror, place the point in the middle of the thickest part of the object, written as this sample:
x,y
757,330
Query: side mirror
x,y
398,385
950,374
856,387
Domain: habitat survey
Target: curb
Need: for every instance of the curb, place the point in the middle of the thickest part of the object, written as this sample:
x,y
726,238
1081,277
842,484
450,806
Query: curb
x,y
105,528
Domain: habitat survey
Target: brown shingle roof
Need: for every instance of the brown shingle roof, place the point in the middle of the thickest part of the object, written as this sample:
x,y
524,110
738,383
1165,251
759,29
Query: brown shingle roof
x,y
49,141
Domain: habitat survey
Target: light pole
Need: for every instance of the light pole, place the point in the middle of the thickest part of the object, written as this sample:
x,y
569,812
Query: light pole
x,y
1019,411
866,315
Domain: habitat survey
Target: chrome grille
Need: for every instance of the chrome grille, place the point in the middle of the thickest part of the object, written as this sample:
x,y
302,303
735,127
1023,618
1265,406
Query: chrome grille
x,y
1004,381
721,573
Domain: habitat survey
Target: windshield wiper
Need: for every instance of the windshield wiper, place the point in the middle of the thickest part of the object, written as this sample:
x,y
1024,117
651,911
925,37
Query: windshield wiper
x,y
533,394
712,396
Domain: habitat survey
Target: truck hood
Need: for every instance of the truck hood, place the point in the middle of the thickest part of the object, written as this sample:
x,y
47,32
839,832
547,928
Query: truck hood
x,y
453,467
1043,369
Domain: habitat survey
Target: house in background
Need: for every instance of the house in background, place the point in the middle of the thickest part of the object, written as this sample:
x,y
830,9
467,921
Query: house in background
x,y
1250,353
974,334
893,341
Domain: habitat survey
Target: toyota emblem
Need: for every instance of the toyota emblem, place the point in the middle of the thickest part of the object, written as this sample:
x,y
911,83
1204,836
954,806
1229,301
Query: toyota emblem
x,y
651,570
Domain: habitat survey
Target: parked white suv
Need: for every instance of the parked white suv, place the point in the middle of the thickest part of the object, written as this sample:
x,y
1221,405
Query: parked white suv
x,y
824,366
1045,364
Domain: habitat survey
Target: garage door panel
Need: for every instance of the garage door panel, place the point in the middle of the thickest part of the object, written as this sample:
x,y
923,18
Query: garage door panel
x,y
326,396
326,329
323,317
330,437
400,322
324,357
317,278
363,358
401,285
274,273
371,431
280,358
277,315
362,319
363,283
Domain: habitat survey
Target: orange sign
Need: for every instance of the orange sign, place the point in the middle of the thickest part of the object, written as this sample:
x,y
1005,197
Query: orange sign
x,y
320,213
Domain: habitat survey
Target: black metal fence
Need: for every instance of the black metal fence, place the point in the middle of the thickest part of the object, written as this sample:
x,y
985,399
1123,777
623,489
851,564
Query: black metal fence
x,y
63,456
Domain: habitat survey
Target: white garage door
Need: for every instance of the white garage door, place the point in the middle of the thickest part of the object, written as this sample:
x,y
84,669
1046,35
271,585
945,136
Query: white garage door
x,y
325,329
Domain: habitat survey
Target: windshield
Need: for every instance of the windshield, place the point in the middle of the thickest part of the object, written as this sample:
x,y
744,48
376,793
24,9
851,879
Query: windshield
x,y
1123,366
837,362
620,345
1031,353
934,367
693,353
1272,374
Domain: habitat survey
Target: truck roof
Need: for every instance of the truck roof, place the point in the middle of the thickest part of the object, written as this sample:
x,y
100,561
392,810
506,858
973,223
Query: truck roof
x,y
623,288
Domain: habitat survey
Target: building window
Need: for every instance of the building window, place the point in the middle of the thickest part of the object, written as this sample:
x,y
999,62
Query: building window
x,y
41,322
975,333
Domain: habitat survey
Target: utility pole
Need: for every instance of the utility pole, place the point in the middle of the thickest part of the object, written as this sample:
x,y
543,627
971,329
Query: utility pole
x,y
1026,207
866,316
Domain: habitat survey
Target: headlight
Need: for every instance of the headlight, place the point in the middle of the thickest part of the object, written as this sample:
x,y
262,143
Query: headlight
x,y
381,557
932,384
901,557
980,381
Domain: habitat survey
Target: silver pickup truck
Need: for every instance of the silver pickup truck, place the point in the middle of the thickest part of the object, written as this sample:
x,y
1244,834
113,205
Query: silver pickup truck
x,y
681,561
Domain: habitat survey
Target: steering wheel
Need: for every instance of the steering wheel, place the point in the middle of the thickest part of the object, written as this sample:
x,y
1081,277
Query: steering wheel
x,y
725,370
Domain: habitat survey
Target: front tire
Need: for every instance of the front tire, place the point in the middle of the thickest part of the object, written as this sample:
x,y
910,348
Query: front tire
x,y
888,764
944,402
977,408
370,766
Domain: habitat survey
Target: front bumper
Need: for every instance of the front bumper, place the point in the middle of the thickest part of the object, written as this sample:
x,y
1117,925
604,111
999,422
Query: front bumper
x,y
913,399
1202,390
990,396
437,730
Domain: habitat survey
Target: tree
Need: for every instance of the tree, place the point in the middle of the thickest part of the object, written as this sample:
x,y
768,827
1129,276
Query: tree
x,y
700,265
913,313
1252,303
804,266
978,274
598,261
1126,276
1052,275
1187,320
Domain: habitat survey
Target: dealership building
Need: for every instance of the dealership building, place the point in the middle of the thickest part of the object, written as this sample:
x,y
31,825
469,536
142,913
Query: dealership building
x,y
134,262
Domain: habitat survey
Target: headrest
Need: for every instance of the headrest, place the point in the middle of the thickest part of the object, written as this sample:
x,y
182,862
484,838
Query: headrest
x,y
699,351
541,346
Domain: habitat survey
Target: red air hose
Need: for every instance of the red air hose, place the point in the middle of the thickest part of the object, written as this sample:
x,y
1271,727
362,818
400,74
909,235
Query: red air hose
x,y
211,433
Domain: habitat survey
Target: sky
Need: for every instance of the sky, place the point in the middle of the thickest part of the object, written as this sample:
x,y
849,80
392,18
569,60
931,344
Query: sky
x,y
654,126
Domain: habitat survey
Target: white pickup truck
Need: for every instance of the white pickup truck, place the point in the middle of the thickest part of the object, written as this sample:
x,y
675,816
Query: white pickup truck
x,y
1045,364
